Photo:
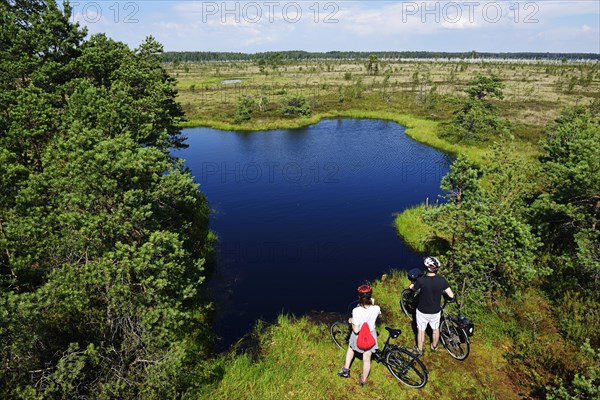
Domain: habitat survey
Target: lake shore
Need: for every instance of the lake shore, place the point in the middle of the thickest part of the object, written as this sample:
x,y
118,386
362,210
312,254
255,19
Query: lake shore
x,y
420,129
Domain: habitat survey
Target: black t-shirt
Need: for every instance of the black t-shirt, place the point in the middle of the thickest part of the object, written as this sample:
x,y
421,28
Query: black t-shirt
x,y
431,292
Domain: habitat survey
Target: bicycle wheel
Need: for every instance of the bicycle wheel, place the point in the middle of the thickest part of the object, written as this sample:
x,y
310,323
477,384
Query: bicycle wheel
x,y
408,302
455,340
407,368
340,333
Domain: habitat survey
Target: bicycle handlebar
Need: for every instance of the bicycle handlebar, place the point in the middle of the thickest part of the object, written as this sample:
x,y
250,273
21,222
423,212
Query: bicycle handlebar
x,y
447,301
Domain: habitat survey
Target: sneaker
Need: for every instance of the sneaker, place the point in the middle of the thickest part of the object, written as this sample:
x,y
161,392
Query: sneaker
x,y
344,373
360,381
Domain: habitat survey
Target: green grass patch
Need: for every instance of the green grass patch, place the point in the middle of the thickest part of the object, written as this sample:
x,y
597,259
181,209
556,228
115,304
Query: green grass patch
x,y
412,229
296,359
417,234
420,129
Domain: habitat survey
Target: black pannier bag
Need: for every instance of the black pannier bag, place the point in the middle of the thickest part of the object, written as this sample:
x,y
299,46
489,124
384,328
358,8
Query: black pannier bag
x,y
466,324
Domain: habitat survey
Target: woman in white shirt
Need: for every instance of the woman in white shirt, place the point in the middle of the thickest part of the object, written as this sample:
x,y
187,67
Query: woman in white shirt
x,y
366,312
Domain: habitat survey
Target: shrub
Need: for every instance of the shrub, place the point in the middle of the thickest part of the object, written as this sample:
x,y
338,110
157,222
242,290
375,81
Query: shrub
x,y
245,108
295,106
578,318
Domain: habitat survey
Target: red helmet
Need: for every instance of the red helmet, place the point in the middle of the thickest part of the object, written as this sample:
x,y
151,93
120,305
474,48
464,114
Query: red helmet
x,y
364,291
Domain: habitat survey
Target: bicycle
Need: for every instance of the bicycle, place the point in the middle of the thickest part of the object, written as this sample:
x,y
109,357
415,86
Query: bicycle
x,y
402,363
454,334
408,302
408,297
455,330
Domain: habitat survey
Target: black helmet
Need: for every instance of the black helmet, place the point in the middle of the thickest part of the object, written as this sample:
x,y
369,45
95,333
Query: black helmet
x,y
364,291
432,264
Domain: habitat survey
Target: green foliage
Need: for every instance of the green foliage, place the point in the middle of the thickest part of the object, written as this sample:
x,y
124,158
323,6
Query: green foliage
x,y
103,234
491,245
477,120
269,60
245,107
462,181
483,86
539,354
358,88
412,229
568,209
38,43
431,100
584,385
295,106
372,65
578,317
488,220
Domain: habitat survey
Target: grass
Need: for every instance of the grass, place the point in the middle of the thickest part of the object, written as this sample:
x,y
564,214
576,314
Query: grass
x,y
298,360
415,232
533,94
412,229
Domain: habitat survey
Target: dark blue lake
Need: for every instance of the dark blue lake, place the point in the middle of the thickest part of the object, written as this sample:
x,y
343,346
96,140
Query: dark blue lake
x,y
304,216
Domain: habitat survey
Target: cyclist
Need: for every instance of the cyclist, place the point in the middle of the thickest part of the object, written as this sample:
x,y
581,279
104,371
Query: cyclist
x,y
429,309
366,312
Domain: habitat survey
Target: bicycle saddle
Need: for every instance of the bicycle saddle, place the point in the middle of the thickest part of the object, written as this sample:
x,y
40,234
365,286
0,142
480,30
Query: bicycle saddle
x,y
394,333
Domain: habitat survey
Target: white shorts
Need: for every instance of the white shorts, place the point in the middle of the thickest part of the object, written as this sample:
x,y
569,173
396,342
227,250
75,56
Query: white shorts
x,y
432,319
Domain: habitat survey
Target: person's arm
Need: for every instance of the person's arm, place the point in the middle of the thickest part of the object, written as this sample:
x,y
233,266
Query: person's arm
x,y
416,285
351,320
449,293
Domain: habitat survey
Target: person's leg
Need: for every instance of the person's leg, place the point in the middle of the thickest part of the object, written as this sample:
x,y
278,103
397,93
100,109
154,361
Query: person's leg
x,y
366,366
435,326
420,340
421,327
435,338
349,357
345,371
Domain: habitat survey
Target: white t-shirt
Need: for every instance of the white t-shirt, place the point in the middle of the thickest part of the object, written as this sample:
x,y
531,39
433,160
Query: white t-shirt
x,y
369,315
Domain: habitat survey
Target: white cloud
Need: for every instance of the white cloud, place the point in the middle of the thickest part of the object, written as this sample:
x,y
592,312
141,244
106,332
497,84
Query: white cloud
x,y
259,25
569,34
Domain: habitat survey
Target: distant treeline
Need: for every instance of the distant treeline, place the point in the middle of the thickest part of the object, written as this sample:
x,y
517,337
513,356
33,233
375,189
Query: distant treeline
x,y
194,56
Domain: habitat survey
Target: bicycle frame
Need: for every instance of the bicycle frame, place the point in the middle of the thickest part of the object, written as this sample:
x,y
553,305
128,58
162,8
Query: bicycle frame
x,y
403,364
392,334
454,339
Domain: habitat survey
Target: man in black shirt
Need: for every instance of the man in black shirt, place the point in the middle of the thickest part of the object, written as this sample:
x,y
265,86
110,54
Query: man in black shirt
x,y
429,310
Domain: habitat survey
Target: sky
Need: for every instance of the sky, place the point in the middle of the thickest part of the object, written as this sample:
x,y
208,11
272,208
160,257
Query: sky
x,y
566,26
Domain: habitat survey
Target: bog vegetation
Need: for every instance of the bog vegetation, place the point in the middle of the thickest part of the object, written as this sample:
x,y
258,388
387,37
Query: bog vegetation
x,y
104,240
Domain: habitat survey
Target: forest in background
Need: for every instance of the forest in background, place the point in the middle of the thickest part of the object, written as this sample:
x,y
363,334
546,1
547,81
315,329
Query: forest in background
x,y
297,55
104,240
